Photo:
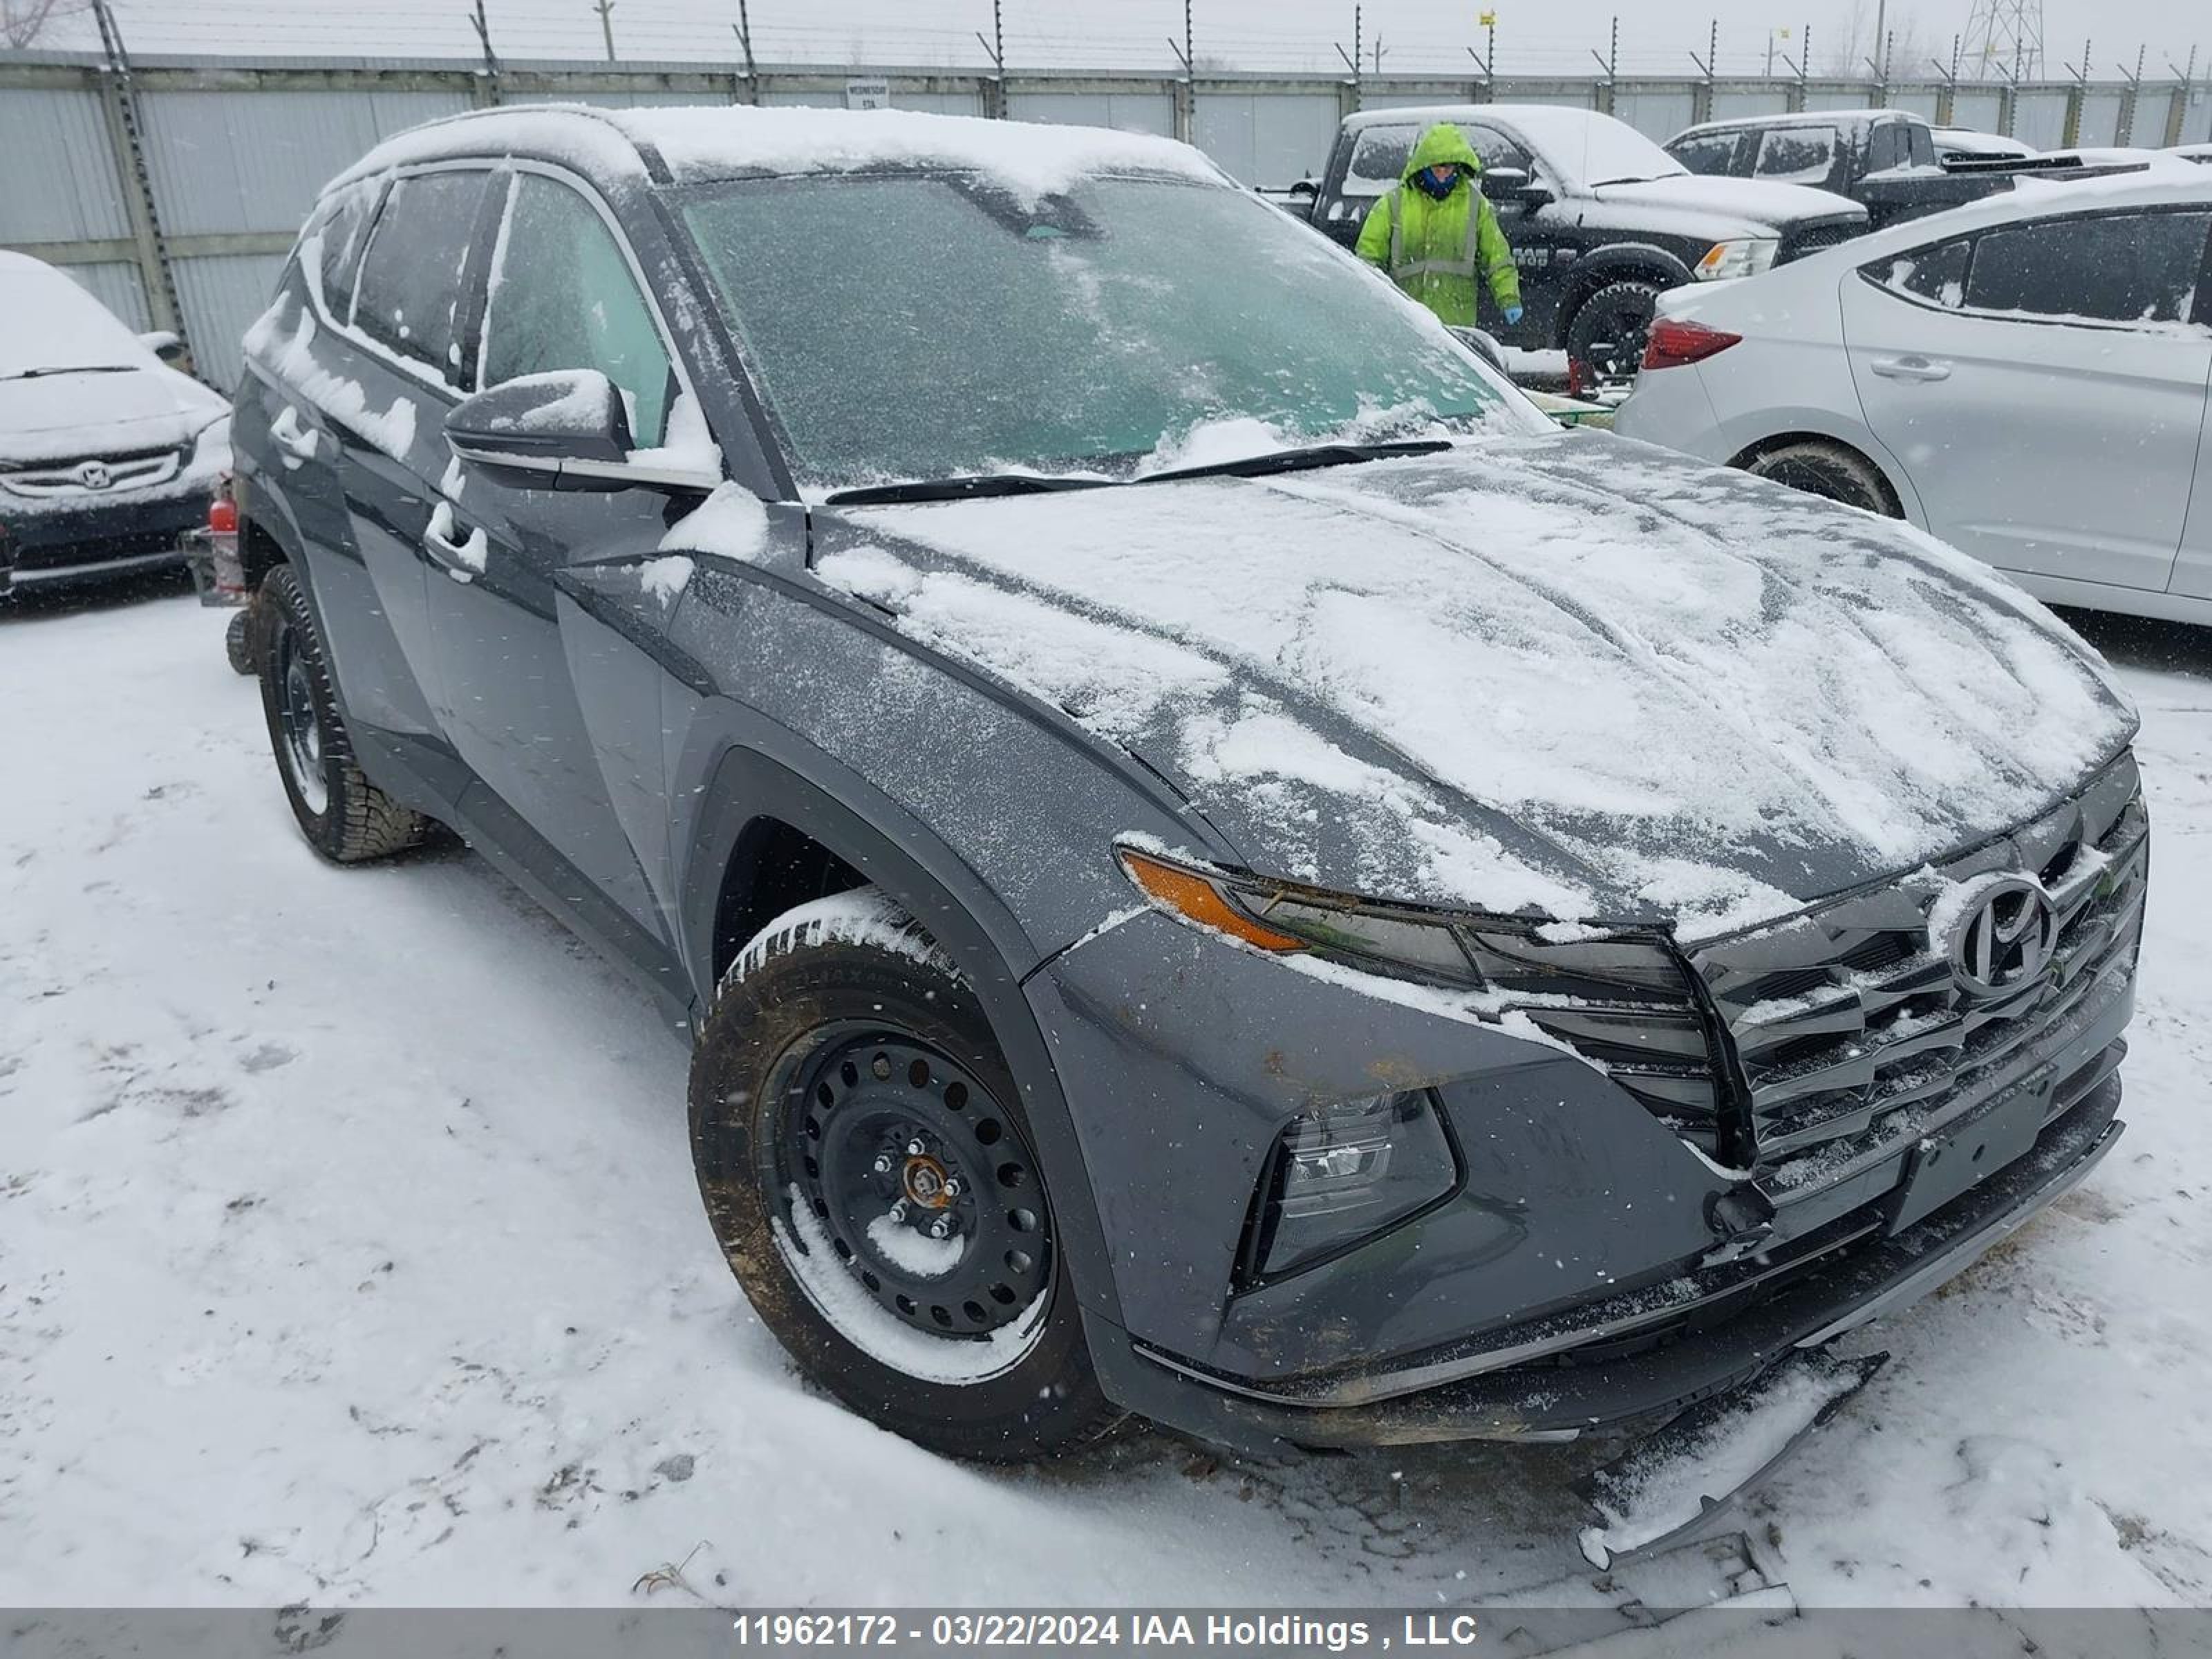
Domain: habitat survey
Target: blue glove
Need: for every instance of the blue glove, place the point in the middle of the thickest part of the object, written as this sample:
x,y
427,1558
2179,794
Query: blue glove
x,y
1512,315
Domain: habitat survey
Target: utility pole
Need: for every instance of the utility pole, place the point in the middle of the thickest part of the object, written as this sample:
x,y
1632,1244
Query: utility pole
x,y
606,11
743,27
1378,54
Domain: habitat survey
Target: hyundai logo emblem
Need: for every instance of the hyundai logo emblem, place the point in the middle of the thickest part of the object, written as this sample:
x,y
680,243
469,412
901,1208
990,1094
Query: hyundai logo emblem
x,y
2006,939
94,475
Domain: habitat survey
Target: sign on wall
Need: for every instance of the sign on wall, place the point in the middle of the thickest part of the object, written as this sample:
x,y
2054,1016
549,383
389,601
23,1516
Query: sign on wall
x,y
867,94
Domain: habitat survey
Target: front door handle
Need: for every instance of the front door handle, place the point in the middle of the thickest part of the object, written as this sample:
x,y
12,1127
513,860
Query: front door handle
x,y
1910,369
463,557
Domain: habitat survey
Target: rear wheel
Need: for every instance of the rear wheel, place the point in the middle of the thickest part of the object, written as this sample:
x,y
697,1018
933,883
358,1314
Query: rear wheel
x,y
871,1176
1832,470
1608,330
344,816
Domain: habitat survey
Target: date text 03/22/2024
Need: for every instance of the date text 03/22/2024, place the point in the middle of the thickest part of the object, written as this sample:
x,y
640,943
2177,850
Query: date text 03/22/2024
x,y
1244,1632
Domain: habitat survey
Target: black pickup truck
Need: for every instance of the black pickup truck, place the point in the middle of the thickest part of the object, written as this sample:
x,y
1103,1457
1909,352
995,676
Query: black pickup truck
x,y
1601,219
1885,160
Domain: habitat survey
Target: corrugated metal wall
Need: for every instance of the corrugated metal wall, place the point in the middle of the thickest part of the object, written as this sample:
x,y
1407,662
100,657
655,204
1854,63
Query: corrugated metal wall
x,y
235,164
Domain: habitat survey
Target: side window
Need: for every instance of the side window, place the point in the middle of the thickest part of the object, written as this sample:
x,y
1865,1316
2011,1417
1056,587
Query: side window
x,y
410,277
1378,156
2117,268
1886,146
1797,156
1920,145
1937,275
562,297
1712,155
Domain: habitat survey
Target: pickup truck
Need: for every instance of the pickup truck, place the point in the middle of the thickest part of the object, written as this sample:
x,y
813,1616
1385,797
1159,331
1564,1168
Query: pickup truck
x,y
1885,160
1601,221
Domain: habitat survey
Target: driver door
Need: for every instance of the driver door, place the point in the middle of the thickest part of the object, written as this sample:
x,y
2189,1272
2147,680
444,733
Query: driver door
x,y
540,591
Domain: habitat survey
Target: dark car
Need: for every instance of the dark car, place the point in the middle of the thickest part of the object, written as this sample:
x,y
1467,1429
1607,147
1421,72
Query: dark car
x,y
108,455
1601,220
1885,160
1218,864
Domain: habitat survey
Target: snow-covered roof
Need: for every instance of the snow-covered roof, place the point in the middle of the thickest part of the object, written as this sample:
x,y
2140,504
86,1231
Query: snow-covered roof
x,y
1826,118
1580,144
2034,196
722,141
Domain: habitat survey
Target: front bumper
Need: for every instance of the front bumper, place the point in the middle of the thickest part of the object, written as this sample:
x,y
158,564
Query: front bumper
x,y
45,545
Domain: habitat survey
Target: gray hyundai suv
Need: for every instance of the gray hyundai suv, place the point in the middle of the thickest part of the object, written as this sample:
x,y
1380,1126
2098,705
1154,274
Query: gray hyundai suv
x,y
1218,865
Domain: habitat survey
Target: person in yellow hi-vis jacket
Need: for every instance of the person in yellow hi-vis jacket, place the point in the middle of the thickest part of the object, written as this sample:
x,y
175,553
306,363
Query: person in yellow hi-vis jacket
x,y
1436,237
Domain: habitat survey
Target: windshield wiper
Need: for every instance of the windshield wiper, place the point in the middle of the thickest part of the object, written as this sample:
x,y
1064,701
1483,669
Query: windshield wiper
x,y
959,489
1301,460
88,368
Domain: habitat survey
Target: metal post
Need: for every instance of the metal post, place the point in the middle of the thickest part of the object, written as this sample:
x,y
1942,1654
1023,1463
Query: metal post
x,y
745,28
2176,111
996,47
1607,63
489,89
1186,90
1701,99
1353,62
119,97
606,11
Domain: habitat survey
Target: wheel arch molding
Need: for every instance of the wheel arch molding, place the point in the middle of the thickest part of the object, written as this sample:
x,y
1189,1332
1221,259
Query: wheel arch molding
x,y
749,793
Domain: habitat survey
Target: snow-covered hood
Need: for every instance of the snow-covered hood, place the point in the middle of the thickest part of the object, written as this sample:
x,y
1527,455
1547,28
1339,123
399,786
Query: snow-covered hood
x,y
1753,204
1566,673
59,417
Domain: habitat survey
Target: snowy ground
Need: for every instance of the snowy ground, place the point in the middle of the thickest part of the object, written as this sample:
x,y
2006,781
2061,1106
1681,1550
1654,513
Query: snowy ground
x,y
350,1251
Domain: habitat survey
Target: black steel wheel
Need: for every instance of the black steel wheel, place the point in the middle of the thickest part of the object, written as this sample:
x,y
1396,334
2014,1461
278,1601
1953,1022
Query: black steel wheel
x,y
1609,330
344,816
872,1180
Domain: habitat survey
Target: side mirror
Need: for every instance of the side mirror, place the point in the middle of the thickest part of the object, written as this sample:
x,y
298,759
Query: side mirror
x,y
565,429
163,344
1514,184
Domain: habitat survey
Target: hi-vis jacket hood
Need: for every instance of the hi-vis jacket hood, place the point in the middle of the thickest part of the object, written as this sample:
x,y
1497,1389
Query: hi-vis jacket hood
x,y
1440,144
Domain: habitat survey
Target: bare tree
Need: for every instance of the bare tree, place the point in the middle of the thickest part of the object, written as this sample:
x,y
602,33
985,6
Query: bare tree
x,y
21,21
1853,45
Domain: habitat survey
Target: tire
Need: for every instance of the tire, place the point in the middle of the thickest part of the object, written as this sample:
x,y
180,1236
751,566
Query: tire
x,y
237,641
1607,332
846,1095
344,816
1832,471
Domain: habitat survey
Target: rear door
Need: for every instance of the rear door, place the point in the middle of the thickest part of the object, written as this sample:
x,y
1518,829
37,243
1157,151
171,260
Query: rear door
x,y
2044,386
398,371
544,599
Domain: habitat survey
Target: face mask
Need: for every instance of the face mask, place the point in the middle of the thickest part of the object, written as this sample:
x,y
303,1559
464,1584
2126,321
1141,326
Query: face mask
x,y
1434,184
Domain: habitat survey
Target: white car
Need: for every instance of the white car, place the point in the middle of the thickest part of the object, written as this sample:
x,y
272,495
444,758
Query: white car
x,y
2024,378
108,455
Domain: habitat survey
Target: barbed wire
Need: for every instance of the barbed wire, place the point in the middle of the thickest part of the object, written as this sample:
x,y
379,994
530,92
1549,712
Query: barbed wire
x,y
1428,38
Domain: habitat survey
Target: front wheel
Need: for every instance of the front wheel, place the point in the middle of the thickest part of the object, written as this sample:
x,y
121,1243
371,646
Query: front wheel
x,y
871,1176
1609,329
1832,470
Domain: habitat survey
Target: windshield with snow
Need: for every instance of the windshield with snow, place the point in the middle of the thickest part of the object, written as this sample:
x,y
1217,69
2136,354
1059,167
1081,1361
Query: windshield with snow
x,y
917,326
49,325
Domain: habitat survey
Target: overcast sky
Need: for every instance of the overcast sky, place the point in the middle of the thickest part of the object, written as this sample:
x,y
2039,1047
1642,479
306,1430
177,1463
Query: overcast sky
x,y
1535,37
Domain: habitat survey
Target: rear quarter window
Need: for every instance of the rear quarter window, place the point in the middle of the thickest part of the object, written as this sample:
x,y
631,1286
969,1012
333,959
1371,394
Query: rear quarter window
x,y
335,235
1936,275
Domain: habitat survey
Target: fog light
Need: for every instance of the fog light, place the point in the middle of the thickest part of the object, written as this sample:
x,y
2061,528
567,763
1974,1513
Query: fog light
x,y
1341,1174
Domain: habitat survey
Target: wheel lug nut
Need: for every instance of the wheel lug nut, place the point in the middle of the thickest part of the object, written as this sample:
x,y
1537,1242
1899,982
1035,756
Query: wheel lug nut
x,y
940,1227
913,1149
952,1186
883,1163
898,1211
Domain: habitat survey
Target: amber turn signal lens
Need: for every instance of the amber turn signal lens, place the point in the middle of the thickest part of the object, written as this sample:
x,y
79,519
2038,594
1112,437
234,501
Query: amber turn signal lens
x,y
1194,897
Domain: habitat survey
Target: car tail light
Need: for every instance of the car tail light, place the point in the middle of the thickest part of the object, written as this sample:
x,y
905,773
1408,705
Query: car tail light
x,y
1672,343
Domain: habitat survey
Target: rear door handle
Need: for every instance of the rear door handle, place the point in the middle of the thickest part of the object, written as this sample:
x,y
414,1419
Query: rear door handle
x,y
1910,369
463,558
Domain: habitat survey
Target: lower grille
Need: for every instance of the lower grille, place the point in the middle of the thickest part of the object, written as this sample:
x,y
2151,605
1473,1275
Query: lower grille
x,y
1811,238
1852,1034
68,480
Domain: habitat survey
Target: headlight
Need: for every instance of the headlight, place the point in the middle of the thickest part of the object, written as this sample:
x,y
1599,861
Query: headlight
x,y
1746,257
1621,998
1507,954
